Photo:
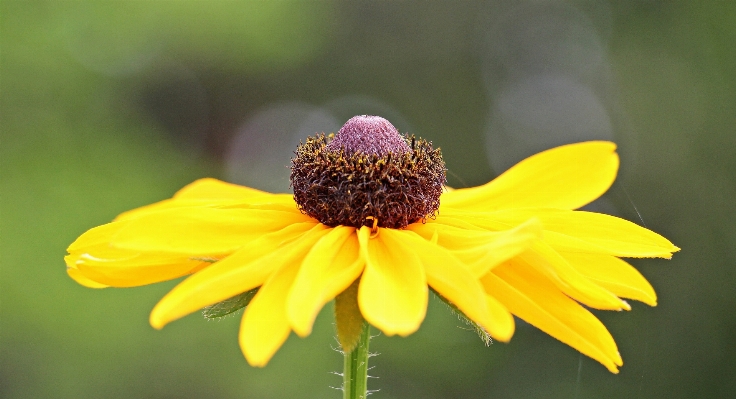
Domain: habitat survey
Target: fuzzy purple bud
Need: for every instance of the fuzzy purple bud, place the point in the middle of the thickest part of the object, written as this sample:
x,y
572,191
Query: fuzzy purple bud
x,y
371,135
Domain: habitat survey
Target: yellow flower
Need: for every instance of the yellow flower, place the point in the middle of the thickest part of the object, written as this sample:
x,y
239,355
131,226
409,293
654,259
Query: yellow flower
x,y
513,246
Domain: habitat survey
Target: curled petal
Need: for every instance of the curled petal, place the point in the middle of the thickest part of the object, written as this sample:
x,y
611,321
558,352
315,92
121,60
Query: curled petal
x,y
566,177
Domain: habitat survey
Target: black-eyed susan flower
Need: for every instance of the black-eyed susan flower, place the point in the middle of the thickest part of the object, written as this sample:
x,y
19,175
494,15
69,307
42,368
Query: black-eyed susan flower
x,y
371,224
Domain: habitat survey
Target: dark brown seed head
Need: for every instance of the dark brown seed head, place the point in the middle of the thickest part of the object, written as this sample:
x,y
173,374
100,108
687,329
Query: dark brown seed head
x,y
367,171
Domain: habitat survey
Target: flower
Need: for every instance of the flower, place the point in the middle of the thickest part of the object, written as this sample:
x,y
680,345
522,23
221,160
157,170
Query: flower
x,y
370,225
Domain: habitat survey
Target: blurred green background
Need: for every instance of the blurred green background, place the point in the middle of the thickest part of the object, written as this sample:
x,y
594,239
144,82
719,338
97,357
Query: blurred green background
x,y
105,106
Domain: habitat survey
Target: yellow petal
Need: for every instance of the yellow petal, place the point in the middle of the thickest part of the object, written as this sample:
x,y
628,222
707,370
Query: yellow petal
x,y
565,177
616,235
244,270
265,326
613,274
502,321
209,188
330,267
166,204
202,192
568,280
479,249
209,192
94,240
82,279
450,278
201,231
565,243
95,237
393,289
266,201
276,202
531,297
122,268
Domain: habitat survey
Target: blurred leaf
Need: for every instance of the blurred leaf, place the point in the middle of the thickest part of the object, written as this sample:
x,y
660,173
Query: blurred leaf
x,y
230,305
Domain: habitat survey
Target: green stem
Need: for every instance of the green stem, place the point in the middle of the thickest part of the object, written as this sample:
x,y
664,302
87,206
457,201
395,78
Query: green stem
x,y
355,373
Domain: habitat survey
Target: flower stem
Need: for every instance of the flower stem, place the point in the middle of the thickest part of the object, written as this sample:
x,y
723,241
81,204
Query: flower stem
x,y
355,372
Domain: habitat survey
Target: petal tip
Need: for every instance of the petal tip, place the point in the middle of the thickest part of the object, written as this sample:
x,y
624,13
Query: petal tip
x,y
253,360
256,357
504,337
156,322
301,330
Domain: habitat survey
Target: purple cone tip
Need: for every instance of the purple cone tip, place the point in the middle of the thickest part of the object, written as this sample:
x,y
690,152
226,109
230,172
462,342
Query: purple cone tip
x,y
370,135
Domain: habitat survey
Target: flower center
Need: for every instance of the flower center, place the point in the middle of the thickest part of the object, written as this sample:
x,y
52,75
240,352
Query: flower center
x,y
368,172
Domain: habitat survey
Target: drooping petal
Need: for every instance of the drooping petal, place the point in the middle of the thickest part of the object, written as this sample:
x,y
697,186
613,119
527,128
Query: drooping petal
x,y
201,231
568,280
566,177
479,249
330,267
265,325
447,275
246,269
501,319
613,274
531,297
616,235
393,290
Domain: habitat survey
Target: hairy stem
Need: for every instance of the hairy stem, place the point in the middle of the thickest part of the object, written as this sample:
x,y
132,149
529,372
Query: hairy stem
x,y
355,373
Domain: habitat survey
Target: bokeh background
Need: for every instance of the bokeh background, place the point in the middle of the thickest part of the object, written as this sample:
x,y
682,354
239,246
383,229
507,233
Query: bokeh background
x,y
106,106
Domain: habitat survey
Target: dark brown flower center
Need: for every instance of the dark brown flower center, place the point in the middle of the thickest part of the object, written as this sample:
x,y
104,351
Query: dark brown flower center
x,y
367,172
